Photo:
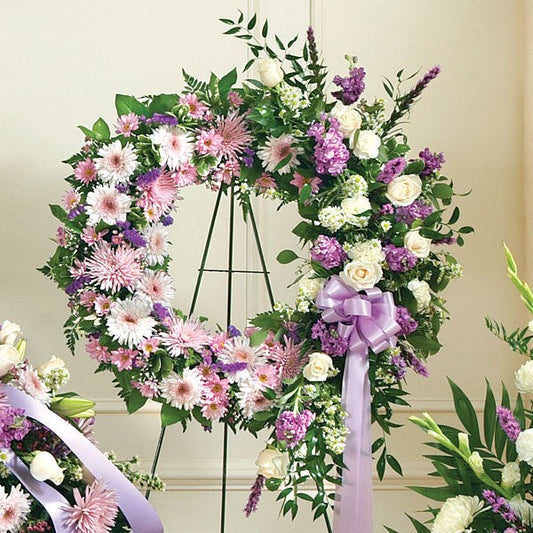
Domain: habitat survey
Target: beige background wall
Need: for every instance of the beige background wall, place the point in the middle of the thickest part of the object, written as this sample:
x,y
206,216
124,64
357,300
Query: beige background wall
x,y
63,61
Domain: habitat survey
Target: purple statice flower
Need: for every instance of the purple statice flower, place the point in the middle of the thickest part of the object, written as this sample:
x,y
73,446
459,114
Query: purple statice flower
x,y
500,506
508,422
123,224
446,240
233,331
160,311
410,213
416,364
330,154
432,160
398,258
406,322
167,220
78,210
255,496
328,252
248,157
76,285
329,338
391,169
232,368
386,209
143,180
291,427
351,88
400,366
292,331
160,118
135,238
430,75
13,425
122,187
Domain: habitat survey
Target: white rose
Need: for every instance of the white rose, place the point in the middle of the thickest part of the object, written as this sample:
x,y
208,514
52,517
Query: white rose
x,y
404,190
457,514
524,446
9,357
9,332
52,364
367,145
421,292
523,378
272,464
318,367
348,117
361,275
510,474
270,72
355,206
418,245
44,466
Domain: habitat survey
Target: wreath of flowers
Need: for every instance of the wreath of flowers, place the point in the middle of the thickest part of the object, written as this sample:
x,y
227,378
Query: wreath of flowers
x,y
373,217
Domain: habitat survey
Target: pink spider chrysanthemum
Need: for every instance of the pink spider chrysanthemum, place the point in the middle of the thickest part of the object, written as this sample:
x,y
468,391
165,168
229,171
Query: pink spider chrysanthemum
x,y
113,269
14,508
160,195
95,512
235,135
276,150
288,358
184,334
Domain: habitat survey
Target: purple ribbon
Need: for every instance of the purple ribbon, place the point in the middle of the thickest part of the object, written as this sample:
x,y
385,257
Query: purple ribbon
x,y
139,513
367,321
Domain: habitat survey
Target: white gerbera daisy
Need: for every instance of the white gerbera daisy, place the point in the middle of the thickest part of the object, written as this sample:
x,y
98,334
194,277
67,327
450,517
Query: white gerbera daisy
x,y
185,391
457,514
116,164
129,321
156,236
276,150
156,287
175,146
107,204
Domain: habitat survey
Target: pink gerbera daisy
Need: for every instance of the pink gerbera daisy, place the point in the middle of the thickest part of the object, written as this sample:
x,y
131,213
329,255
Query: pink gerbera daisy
x,y
116,163
288,358
213,410
123,358
97,351
113,269
87,299
208,142
278,149
91,236
127,124
14,508
299,181
129,321
234,99
156,286
71,199
93,513
182,392
102,304
107,204
197,109
267,376
185,334
85,171
31,384
175,146
265,182
235,135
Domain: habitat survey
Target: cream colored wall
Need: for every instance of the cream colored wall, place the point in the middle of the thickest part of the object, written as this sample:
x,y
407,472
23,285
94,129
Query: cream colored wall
x,y
63,61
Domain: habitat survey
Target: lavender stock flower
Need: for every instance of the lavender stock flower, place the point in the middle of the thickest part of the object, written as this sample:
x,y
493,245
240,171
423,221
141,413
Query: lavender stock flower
x,y
432,160
399,259
351,88
328,252
410,213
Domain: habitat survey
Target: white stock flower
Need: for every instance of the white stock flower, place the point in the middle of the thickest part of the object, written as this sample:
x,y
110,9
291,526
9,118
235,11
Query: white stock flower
x,y
523,378
404,190
9,332
510,474
9,357
367,145
457,514
418,245
361,275
318,367
44,466
269,71
272,464
421,292
524,446
332,218
353,207
366,251
348,117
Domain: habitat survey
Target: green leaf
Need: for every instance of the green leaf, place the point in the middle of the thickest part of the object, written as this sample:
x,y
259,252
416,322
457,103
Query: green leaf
x,y
425,344
58,212
415,167
126,104
381,464
162,103
258,337
226,83
135,401
466,229
251,23
170,415
101,130
420,528
489,417
286,256
87,132
283,162
264,31
439,494
394,464
466,413
442,191
455,216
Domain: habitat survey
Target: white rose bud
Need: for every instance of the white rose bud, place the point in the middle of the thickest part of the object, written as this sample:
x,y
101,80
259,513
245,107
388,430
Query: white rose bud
x,y
52,364
318,367
361,275
418,245
523,378
421,292
404,190
9,333
524,446
44,466
272,464
510,474
348,117
367,145
476,463
9,357
270,72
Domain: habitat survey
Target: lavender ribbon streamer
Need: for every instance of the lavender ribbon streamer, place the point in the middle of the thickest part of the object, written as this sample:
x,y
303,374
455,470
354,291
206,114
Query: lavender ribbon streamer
x,y
367,321
139,513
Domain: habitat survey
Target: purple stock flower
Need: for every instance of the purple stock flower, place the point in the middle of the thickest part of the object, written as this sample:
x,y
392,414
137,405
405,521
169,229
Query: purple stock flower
x,y
122,187
167,220
406,322
232,368
391,169
292,427
13,425
330,341
123,224
386,209
328,252
400,366
432,160
144,180
78,210
399,259
255,495
416,364
330,154
135,238
508,422
351,88
430,75
412,212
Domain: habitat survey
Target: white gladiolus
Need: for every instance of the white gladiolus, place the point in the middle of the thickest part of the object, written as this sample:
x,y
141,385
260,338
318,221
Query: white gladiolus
x,y
510,474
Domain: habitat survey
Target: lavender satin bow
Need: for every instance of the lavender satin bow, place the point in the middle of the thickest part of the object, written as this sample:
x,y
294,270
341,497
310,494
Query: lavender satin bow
x,y
367,321
139,513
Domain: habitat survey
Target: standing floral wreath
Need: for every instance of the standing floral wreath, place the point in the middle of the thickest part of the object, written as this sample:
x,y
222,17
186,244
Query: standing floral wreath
x,y
375,219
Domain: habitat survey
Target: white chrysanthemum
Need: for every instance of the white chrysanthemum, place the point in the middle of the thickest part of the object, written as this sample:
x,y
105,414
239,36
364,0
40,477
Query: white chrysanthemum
x,y
156,250
354,207
276,150
308,289
332,218
129,321
457,514
523,378
185,391
366,251
367,145
107,204
156,287
116,164
175,146
355,185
